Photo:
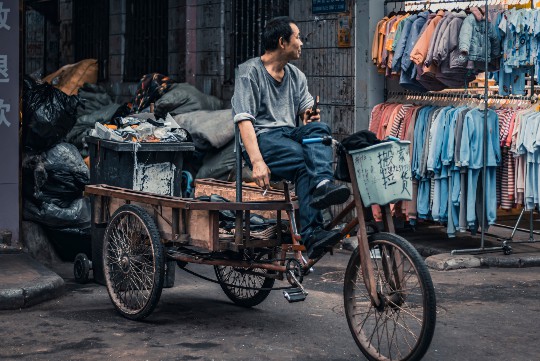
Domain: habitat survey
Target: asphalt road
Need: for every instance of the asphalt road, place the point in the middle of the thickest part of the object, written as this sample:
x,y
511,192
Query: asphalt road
x,y
483,315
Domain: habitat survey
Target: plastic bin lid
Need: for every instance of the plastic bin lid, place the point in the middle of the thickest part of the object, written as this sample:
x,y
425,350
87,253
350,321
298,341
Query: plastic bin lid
x,y
142,147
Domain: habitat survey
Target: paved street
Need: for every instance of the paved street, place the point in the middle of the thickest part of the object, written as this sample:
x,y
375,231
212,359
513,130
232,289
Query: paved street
x,y
483,315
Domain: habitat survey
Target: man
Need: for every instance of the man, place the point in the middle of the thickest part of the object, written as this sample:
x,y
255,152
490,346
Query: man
x,y
269,94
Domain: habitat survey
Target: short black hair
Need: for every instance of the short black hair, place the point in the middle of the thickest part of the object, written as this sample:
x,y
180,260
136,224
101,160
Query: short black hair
x,y
276,28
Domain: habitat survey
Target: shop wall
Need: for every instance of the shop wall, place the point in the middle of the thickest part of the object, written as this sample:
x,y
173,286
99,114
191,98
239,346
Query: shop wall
x,y
65,15
328,68
369,84
41,49
205,40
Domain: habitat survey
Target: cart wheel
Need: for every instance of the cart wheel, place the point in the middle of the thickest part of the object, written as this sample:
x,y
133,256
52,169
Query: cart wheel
x,y
81,268
402,326
227,275
133,262
507,250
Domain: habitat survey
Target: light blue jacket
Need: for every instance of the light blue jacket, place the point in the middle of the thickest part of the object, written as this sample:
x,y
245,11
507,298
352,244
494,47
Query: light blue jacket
x,y
471,152
472,39
402,43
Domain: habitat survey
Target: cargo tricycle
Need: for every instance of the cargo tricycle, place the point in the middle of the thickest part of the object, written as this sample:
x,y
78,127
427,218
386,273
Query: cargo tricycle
x,y
388,294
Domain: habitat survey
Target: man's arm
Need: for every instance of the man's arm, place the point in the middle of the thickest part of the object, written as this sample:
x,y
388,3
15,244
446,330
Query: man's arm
x,y
261,172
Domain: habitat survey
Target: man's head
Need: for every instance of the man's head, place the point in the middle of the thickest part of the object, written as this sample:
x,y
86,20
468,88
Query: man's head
x,y
282,33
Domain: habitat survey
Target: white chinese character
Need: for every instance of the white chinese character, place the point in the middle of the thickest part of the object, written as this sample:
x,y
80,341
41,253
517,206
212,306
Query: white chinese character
x,y
3,109
3,17
4,69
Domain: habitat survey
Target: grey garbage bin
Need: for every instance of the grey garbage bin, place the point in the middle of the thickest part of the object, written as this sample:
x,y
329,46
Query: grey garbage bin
x,y
148,167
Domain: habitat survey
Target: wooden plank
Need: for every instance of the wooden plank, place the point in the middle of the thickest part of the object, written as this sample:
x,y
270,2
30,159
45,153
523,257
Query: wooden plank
x,y
129,195
200,229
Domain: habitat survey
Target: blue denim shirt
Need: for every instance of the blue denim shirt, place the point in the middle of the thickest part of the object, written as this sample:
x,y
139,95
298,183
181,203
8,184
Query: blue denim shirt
x,y
402,42
471,152
416,31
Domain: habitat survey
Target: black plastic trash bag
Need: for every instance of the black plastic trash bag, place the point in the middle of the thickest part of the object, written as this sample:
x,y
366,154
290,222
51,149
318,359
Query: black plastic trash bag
x,y
48,114
76,215
56,176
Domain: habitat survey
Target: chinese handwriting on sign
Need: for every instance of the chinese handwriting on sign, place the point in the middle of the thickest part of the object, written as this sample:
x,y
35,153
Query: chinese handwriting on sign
x,y
386,167
3,17
405,172
3,109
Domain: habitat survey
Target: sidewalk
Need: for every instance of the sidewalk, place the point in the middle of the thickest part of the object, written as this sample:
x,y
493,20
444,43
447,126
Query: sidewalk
x,y
432,242
25,282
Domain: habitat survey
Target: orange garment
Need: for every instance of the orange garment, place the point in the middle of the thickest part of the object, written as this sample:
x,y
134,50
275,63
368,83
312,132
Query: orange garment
x,y
420,50
382,34
376,39
392,34
375,117
383,122
387,121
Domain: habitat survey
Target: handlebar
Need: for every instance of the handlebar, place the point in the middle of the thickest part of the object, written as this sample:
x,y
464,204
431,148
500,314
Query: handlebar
x,y
328,140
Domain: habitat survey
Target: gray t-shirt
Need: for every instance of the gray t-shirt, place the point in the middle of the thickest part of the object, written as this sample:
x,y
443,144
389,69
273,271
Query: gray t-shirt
x,y
265,101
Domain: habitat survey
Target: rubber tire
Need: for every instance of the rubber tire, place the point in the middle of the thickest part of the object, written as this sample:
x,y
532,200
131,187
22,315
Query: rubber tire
x,y
425,283
158,262
256,299
81,268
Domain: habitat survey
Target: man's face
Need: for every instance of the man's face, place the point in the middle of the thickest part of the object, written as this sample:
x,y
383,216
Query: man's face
x,y
293,46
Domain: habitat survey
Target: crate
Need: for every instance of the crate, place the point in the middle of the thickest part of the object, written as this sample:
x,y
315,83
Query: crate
x,y
383,172
207,187
148,167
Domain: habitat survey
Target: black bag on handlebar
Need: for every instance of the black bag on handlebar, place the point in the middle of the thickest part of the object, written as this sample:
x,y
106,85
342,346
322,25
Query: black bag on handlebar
x,y
358,140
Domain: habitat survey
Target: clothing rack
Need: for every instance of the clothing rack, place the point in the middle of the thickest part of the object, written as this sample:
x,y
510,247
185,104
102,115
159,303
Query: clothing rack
x,y
532,99
506,242
485,97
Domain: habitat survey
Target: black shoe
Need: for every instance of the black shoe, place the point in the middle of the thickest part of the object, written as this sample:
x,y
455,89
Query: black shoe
x,y
319,240
329,194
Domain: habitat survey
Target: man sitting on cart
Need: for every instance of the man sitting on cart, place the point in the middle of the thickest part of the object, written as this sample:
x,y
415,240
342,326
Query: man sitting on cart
x,y
269,94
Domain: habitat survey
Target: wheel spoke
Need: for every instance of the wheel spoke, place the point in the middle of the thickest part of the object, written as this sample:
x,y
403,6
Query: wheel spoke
x,y
131,262
396,328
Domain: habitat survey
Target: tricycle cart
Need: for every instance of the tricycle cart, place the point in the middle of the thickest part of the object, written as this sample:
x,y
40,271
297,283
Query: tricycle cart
x,y
388,293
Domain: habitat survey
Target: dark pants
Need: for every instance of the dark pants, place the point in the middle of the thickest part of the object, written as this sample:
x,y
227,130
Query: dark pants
x,y
305,165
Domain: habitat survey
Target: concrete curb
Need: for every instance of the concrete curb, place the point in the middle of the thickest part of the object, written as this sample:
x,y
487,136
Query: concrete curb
x,y
35,284
446,262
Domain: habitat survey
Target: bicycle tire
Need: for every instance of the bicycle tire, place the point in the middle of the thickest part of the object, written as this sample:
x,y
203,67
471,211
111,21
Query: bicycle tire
x,y
402,327
228,275
133,262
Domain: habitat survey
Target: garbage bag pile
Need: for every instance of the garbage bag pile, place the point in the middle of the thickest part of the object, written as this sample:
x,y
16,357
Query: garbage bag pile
x,y
54,173
56,126
53,185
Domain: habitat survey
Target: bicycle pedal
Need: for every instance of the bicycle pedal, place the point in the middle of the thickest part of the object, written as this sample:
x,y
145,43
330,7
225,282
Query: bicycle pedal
x,y
294,295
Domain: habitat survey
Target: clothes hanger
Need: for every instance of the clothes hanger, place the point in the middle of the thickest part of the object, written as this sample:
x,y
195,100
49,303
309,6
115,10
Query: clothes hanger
x,y
393,12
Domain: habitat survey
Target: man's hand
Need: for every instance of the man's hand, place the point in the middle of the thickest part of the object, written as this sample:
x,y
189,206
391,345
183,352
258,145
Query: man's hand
x,y
311,116
261,174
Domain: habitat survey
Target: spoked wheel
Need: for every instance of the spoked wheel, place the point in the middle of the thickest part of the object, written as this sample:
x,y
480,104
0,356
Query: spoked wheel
x,y
402,326
229,277
133,262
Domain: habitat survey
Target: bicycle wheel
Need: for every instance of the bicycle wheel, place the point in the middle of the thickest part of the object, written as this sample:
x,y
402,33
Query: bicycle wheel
x,y
402,326
229,277
133,262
